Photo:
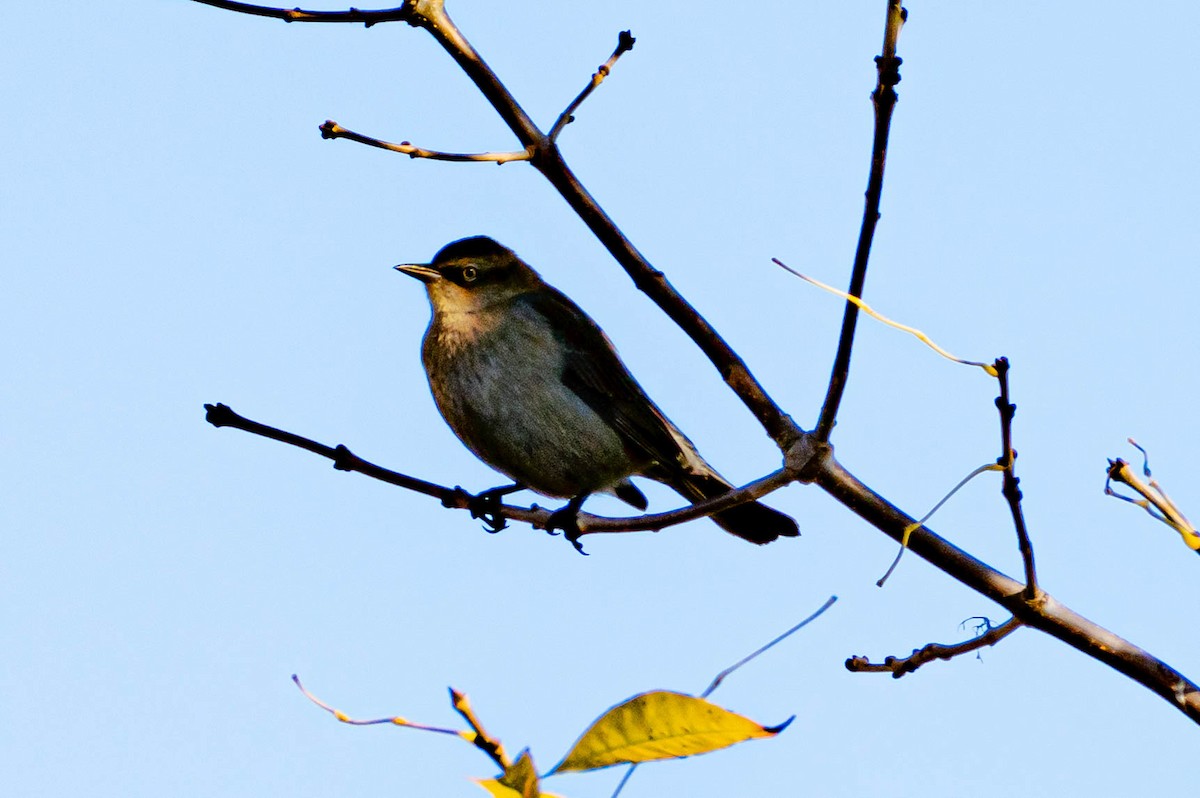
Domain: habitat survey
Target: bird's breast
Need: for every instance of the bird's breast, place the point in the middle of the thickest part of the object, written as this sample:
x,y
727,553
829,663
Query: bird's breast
x,y
497,380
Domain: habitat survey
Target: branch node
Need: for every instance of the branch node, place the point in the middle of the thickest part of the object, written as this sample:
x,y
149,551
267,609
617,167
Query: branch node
x,y
219,415
889,70
344,459
806,457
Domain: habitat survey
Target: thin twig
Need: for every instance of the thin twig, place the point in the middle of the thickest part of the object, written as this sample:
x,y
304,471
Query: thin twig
x,y
395,720
914,526
401,13
483,741
1154,501
884,100
898,666
1011,488
865,308
624,44
720,677
220,415
332,130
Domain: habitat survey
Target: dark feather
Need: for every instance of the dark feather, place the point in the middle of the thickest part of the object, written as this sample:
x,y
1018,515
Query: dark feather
x,y
596,374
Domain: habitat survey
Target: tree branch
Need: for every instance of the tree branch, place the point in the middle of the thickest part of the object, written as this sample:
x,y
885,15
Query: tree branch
x,y
401,13
624,44
884,100
1011,490
899,666
1154,501
807,456
221,415
549,161
1046,613
332,130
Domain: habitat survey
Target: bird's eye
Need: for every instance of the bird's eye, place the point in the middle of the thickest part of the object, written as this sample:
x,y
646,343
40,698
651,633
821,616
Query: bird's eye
x,y
469,273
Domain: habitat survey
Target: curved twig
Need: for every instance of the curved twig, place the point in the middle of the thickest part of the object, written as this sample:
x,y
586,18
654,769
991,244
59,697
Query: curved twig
x,y
332,130
899,666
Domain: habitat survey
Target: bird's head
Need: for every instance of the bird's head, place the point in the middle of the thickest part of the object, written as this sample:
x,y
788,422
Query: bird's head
x,y
472,273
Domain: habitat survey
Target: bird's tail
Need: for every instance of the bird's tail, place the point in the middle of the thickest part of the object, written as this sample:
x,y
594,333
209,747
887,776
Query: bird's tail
x,y
752,521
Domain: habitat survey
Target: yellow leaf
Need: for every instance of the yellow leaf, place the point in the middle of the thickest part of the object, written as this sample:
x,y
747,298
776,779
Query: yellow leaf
x,y
520,780
660,725
497,790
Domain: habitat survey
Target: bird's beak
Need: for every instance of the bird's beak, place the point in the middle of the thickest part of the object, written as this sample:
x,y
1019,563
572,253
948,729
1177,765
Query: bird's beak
x,y
422,271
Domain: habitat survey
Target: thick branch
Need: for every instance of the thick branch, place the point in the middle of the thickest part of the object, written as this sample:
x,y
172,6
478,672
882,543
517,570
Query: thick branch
x,y
1045,613
899,666
884,100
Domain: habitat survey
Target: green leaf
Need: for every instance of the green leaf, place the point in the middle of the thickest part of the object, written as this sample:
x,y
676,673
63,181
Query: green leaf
x,y
660,725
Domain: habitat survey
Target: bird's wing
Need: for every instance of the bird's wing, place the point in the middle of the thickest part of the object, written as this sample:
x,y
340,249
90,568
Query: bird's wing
x,y
594,372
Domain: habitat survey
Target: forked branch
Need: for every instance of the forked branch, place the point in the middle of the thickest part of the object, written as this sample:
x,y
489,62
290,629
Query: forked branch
x,y
547,159
807,457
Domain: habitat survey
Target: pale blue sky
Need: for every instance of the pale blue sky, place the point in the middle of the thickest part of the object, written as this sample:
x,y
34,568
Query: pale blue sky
x,y
176,232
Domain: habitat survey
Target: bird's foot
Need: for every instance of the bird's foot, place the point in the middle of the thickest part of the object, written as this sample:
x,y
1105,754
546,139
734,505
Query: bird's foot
x,y
567,519
486,505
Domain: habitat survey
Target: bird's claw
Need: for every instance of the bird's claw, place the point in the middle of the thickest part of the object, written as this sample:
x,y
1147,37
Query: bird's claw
x,y
567,519
486,507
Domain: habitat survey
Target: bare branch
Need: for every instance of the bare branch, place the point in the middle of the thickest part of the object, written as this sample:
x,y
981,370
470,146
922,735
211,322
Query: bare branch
x,y
807,456
483,741
548,160
913,527
1011,489
395,720
332,130
220,415
624,44
1154,501
720,677
401,13
884,100
895,325
1046,614
898,666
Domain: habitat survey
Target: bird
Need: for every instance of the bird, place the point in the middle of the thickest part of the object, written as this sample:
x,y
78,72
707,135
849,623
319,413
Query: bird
x,y
535,389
